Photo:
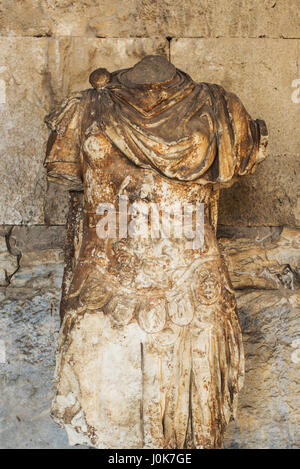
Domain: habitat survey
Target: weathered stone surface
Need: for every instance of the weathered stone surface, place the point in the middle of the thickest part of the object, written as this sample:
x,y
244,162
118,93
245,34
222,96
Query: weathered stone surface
x,y
249,68
268,414
28,333
265,270
23,106
270,196
72,59
192,18
41,259
37,238
29,323
264,263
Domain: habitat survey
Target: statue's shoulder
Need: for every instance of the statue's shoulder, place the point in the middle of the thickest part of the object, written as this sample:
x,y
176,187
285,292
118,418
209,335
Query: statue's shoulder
x,y
72,106
218,90
226,100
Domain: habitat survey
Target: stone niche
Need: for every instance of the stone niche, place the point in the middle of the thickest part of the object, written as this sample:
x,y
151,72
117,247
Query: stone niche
x,y
48,50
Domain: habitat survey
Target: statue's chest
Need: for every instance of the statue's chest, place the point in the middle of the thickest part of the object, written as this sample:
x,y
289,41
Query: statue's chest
x,y
144,220
108,174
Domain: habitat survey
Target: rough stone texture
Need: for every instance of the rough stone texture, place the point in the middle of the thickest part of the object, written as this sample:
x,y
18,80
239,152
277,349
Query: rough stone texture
x,y
40,255
22,69
28,331
265,270
72,59
112,18
251,69
270,261
29,324
270,196
268,415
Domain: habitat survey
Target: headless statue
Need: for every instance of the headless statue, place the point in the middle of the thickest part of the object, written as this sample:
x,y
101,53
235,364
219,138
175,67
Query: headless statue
x,y
150,351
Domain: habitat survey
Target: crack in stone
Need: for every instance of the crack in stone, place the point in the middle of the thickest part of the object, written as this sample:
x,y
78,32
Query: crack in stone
x,y
14,252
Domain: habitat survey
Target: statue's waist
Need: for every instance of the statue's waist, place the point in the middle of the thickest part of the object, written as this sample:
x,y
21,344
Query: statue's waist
x,y
151,214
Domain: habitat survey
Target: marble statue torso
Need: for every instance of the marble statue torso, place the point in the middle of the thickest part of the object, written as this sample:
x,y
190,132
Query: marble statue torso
x,y
150,350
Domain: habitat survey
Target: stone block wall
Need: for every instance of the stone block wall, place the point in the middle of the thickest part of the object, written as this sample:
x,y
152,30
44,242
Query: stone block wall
x,y
48,48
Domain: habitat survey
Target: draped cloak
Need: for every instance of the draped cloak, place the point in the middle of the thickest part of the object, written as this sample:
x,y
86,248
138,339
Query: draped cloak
x,y
183,130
